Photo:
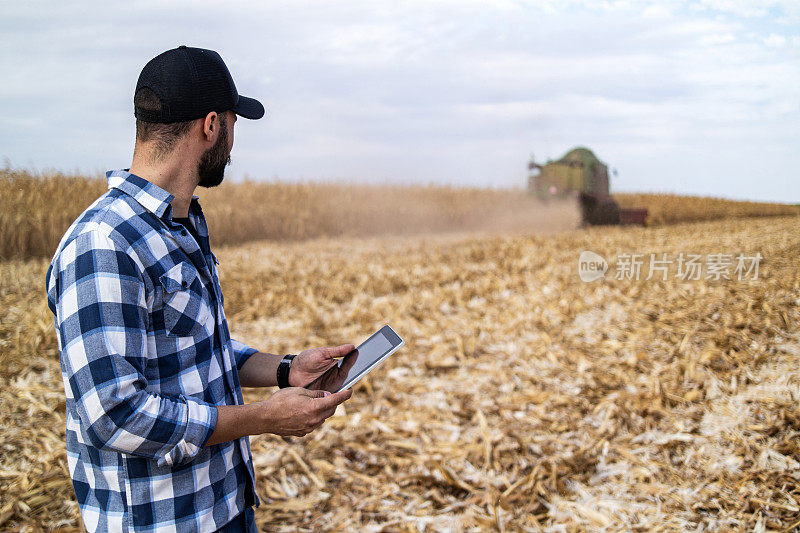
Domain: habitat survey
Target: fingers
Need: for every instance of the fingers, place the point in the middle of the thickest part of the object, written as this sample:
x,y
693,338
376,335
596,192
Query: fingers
x,y
311,393
323,406
314,423
328,413
318,394
335,399
340,351
347,363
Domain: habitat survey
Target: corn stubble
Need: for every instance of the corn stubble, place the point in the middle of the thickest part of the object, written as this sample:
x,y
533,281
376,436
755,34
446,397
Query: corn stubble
x,y
524,399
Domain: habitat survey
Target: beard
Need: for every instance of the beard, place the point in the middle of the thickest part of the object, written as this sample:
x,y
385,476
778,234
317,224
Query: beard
x,y
211,167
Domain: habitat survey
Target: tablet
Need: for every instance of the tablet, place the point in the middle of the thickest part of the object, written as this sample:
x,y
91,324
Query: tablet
x,y
360,362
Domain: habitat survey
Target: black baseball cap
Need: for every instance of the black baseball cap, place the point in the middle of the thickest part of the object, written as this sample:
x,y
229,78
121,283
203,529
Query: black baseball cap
x,y
190,83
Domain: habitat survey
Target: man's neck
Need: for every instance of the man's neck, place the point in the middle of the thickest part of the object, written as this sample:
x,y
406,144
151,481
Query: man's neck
x,y
173,174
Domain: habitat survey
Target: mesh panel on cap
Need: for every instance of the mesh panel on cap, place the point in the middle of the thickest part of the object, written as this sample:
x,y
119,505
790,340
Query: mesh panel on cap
x,y
147,105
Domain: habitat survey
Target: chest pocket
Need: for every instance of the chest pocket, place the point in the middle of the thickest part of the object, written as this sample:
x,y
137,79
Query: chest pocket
x,y
184,311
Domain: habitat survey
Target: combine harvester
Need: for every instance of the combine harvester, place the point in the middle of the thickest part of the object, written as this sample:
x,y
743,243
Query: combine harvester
x,y
579,174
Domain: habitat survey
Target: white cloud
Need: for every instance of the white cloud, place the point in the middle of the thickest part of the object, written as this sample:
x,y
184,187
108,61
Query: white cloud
x,y
744,8
774,40
456,91
717,38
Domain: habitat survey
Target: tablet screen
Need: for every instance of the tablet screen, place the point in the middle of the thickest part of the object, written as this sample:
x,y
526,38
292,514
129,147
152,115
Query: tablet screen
x,y
360,361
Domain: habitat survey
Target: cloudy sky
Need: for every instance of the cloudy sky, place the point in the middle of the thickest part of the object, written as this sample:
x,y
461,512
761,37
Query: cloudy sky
x,y
698,97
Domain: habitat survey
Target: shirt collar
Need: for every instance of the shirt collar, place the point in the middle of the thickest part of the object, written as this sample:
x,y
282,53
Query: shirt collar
x,y
151,196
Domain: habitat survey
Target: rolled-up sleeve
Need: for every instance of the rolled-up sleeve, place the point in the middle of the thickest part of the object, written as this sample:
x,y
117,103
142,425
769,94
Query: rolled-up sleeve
x,y
241,352
101,316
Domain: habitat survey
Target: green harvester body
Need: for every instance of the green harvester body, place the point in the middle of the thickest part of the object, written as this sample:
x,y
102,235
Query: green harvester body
x,y
580,174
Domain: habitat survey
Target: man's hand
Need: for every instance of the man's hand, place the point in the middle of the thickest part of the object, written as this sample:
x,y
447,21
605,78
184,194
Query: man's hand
x,y
295,412
292,411
308,365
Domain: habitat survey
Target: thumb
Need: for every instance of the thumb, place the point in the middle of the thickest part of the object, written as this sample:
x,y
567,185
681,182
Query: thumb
x,y
343,350
317,393
308,392
338,397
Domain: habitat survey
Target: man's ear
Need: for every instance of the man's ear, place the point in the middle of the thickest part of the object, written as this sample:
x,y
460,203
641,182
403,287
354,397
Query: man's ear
x,y
211,126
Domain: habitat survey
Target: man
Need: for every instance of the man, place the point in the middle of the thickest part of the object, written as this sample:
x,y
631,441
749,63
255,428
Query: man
x,y
157,429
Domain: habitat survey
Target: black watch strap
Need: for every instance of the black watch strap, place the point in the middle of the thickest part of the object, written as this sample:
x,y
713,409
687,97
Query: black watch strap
x,y
283,370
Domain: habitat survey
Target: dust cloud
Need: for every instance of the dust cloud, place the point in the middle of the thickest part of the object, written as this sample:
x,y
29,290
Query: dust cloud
x,y
291,212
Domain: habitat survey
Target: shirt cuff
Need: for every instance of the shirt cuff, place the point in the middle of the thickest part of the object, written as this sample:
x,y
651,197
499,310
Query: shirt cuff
x,y
241,352
212,424
201,419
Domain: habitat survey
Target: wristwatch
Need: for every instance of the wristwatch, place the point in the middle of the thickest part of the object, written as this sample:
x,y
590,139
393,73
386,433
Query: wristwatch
x,y
283,370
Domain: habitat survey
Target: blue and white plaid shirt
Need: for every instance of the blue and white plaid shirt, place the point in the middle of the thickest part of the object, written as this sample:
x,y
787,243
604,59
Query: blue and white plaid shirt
x,y
146,355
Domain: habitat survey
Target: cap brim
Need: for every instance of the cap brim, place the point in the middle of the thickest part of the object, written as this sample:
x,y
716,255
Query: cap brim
x,y
249,108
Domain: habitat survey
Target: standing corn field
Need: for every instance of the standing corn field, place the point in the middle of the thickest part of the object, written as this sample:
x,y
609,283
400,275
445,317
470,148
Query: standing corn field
x,y
35,210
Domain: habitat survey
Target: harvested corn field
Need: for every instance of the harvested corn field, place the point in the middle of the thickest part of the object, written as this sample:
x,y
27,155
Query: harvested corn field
x,y
525,398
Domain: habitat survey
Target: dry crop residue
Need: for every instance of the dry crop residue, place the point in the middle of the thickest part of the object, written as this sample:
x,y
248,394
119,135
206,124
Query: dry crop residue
x,y
525,399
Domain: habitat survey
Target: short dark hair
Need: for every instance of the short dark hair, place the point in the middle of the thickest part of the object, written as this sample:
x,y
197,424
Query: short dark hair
x,y
164,135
